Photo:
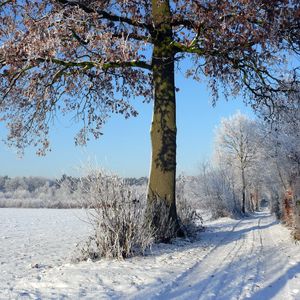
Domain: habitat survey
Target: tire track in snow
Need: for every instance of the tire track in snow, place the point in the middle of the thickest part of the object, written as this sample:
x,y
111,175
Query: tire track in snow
x,y
148,293
240,267
241,260
242,264
223,276
164,292
283,262
233,269
259,276
273,272
253,273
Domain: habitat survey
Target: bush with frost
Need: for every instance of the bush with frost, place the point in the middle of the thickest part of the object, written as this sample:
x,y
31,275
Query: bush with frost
x,y
190,218
117,214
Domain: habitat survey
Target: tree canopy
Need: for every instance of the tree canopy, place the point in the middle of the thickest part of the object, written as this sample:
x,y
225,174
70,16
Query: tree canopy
x,y
88,58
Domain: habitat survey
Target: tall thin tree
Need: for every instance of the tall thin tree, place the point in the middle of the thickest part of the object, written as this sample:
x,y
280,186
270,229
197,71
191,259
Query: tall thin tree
x,y
237,141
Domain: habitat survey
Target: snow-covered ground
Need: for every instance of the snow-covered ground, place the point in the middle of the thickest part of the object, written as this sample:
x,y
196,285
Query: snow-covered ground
x,y
251,258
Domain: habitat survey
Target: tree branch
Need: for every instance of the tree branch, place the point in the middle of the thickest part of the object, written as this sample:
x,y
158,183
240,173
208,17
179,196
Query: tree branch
x,y
5,2
133,36
183,22
133,63
181,48
105,66
105,15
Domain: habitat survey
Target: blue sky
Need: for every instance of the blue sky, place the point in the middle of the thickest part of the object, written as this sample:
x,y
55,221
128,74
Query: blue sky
x,y
125,146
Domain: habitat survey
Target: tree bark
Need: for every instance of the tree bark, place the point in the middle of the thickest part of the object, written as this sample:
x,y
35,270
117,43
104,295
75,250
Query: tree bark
x,y
162,181
243,191
297,208
256,199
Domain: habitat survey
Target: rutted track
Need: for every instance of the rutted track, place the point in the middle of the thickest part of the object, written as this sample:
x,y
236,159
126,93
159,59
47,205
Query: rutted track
x,y
235,268
235,247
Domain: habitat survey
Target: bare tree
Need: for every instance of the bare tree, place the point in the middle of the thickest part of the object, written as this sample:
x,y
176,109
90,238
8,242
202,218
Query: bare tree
x,y
237,141
87,58
282,150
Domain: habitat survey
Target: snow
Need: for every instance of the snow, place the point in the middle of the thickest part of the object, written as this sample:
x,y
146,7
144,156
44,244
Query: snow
x,y
251,258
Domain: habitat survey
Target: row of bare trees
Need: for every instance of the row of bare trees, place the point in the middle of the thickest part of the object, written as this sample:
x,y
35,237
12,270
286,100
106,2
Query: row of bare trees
x,y
257,163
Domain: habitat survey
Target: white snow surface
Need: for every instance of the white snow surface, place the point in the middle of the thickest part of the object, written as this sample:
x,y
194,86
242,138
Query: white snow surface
x,y
252,258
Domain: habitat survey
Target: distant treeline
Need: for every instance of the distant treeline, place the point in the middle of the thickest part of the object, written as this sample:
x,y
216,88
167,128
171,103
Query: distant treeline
x,y
40,192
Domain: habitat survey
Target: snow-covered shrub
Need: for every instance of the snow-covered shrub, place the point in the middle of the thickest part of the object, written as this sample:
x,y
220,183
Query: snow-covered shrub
x,y
156,217
117,214
217,192
190,218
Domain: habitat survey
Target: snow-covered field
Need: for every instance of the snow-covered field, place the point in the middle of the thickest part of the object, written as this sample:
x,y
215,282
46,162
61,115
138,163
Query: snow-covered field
x,y
252,258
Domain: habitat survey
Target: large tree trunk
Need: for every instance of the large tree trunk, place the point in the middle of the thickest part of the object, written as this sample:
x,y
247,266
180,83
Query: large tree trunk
x,y
162,182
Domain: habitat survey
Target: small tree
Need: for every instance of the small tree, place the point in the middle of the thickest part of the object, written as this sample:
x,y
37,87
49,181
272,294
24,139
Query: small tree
x,y
88,58
214,189
237,141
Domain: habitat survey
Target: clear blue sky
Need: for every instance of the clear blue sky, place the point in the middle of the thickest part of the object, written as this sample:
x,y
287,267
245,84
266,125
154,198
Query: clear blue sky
x,y
125,146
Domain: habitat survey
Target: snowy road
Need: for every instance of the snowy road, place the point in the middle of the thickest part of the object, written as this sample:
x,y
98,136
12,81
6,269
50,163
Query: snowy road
x,y
252,258
250,261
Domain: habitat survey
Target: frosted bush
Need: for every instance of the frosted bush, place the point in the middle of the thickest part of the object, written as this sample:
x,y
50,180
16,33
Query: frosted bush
x,y
217,192
117,213
190,218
